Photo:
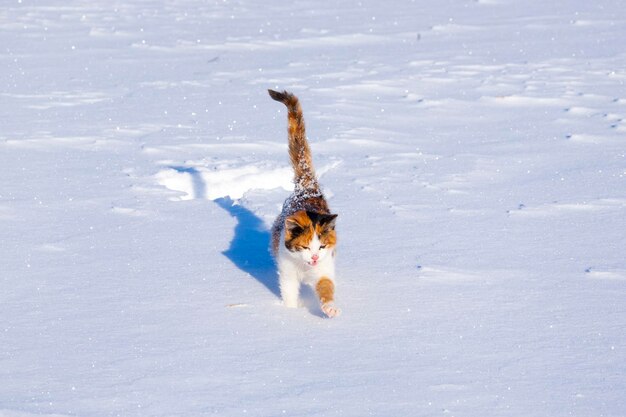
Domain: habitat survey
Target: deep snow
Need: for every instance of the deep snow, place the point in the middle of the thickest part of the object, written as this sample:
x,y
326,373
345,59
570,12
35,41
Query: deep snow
x,y
474,151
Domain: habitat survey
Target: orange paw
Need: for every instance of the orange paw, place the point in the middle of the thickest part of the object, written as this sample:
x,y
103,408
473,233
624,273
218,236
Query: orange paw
x,y
331,310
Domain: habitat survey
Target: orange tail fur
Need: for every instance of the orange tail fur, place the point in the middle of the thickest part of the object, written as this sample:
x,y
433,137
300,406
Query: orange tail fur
x,y
299,151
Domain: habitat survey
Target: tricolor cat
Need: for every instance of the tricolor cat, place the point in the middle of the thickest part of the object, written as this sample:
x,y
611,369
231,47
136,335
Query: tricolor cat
x,y
303,236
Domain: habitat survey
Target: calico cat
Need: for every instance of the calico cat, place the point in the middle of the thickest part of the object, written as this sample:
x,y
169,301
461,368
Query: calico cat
x,y
303,235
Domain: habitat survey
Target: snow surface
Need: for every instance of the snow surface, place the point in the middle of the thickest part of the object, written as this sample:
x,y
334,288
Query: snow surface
x,y
475,153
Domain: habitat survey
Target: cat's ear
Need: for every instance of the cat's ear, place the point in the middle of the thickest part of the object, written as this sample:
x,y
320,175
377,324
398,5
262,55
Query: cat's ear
x,y
296,222
328,221
292,225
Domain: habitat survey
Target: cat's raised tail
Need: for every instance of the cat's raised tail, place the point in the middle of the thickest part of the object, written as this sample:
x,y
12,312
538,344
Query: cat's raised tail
x,y
299,151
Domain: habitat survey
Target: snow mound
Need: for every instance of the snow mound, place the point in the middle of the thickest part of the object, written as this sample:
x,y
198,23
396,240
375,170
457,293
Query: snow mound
x,y
203,183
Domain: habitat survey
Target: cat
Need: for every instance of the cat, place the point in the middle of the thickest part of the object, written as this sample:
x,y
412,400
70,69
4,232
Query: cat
x,y
303,236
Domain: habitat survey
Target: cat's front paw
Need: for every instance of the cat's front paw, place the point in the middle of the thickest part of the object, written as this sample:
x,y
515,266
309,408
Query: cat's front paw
x,y
292,303
331,310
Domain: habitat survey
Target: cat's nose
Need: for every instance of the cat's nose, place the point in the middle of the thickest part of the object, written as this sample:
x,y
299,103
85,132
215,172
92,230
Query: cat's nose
x,y
315,257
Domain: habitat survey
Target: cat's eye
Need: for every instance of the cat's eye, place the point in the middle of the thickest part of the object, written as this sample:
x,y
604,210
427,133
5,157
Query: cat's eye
x,y
322,246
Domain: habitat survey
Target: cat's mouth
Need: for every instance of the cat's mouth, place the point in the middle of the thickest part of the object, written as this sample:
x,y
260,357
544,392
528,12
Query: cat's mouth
x,y
312,262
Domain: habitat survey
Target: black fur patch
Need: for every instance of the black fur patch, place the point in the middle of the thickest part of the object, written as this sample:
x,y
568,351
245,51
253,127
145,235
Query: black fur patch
x,y
324,220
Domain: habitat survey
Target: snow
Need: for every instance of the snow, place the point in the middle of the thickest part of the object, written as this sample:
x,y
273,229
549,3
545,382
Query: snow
x,y
474,151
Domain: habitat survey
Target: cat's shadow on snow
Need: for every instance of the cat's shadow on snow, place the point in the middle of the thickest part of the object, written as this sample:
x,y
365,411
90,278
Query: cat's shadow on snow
x,y
249,249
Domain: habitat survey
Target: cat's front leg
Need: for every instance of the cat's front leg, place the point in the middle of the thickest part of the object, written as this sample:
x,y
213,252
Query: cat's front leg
x,y
325,289
289,284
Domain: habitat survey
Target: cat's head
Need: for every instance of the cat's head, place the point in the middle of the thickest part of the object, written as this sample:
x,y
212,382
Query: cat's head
x,y
310,236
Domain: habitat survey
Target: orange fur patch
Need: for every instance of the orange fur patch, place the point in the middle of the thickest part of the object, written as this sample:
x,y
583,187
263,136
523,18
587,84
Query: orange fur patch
x,y
328,237
298,230
325,289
